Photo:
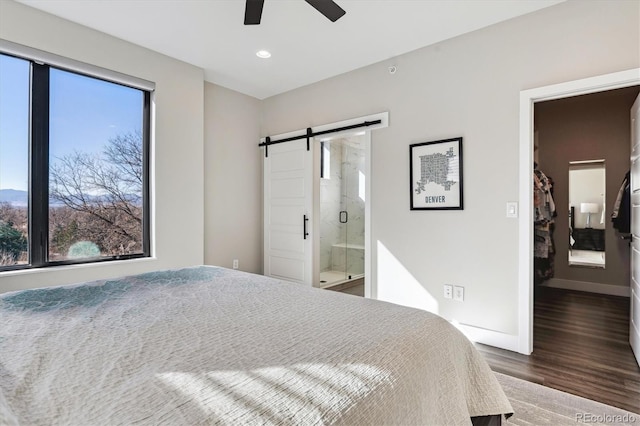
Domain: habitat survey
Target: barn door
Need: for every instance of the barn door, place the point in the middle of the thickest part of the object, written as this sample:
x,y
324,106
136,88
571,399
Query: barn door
x,y
288,206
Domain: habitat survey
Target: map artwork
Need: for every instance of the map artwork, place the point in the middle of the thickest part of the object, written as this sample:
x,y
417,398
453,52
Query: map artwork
x,y
440,169
436,175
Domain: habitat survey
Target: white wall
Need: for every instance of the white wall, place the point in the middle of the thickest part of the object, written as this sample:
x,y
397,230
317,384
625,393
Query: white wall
x,y
232,179
468,86
178,143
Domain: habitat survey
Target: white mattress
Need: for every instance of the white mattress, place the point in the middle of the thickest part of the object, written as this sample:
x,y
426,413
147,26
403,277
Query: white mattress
x,y
209,345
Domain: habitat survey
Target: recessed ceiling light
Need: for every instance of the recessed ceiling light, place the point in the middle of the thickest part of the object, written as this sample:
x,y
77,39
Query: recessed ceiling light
x,y
264,54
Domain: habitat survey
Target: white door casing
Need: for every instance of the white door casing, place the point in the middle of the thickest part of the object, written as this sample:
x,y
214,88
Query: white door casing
x,y
525,222
634,319
288,207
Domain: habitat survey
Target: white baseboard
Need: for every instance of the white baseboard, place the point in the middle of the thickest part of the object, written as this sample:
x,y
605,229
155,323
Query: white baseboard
x,y
613,290
509,341
489,337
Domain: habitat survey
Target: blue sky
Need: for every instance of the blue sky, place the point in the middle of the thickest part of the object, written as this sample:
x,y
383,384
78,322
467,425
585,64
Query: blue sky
x,y
85,114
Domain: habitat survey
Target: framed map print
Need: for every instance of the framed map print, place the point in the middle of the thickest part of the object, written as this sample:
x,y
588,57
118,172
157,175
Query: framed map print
x,y
436,175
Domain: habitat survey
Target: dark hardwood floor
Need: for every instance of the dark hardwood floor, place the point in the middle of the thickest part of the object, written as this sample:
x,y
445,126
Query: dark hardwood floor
x,y
355,287
580,346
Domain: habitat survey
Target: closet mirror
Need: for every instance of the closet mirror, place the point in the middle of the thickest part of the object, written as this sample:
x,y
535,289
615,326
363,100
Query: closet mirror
x,y
587,213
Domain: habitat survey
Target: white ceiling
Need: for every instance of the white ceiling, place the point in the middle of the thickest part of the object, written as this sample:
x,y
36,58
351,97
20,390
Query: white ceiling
x,y
306,46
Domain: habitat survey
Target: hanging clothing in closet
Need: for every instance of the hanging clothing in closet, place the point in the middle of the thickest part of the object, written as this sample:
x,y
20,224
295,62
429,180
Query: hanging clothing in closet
x,y
621,216
544,213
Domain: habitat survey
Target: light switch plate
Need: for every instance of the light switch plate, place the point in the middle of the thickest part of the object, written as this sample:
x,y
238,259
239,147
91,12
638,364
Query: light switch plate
x,y
512,209
458,293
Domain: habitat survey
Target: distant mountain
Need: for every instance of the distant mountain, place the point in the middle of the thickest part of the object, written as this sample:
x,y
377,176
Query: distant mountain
x,y
14,197
19,198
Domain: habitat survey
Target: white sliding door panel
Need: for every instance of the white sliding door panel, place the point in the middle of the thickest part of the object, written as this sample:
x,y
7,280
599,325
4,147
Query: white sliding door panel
x,y
284,241
288,200
287,188
286,160
287,268
284,215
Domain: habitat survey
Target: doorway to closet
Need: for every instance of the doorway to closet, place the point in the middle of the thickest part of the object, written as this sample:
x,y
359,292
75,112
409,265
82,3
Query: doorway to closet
x,y
582,147
581,275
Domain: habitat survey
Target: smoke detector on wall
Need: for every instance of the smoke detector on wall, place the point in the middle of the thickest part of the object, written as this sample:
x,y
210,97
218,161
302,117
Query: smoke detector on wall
x,y
393,69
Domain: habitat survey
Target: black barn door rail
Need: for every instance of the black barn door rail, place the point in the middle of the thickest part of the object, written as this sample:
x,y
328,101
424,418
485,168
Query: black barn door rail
x,y
311,134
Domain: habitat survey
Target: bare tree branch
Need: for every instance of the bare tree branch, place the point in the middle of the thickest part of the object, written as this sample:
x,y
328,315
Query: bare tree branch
x,y
107,190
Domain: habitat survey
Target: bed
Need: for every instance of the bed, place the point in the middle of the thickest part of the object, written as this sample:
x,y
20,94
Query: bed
x,y
209,345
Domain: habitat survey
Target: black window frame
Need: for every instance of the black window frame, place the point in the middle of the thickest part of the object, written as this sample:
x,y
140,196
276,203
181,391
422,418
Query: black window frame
x,y
38,204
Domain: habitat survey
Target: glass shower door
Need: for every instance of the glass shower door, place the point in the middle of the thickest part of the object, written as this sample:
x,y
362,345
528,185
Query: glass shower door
x,y
341,211
332,230
353,204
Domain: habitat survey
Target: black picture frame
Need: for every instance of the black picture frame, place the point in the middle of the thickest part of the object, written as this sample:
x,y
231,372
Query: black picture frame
x,y
435,175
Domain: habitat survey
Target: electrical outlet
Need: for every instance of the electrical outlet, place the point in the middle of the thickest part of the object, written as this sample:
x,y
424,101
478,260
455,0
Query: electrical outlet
x,y
458,293
448,291
235,263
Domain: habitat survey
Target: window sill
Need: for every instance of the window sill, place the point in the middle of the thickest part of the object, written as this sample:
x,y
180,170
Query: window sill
x,y
80,266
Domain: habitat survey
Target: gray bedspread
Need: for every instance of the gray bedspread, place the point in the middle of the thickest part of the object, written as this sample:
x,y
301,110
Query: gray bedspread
x,y
208,345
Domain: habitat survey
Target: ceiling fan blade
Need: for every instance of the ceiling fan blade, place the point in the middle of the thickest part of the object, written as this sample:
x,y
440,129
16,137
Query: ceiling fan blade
x,y
328,8
253,12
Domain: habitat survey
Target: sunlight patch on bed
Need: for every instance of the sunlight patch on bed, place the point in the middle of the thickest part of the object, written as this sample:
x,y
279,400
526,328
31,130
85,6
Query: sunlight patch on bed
x,y
301,393
397,285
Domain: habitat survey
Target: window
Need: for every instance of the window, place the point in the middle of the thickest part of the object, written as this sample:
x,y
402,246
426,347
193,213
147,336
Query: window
x,y
73,167
325,160
14,160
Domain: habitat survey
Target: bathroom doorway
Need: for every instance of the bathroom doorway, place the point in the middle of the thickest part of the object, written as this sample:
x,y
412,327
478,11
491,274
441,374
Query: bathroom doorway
x,y
342,200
